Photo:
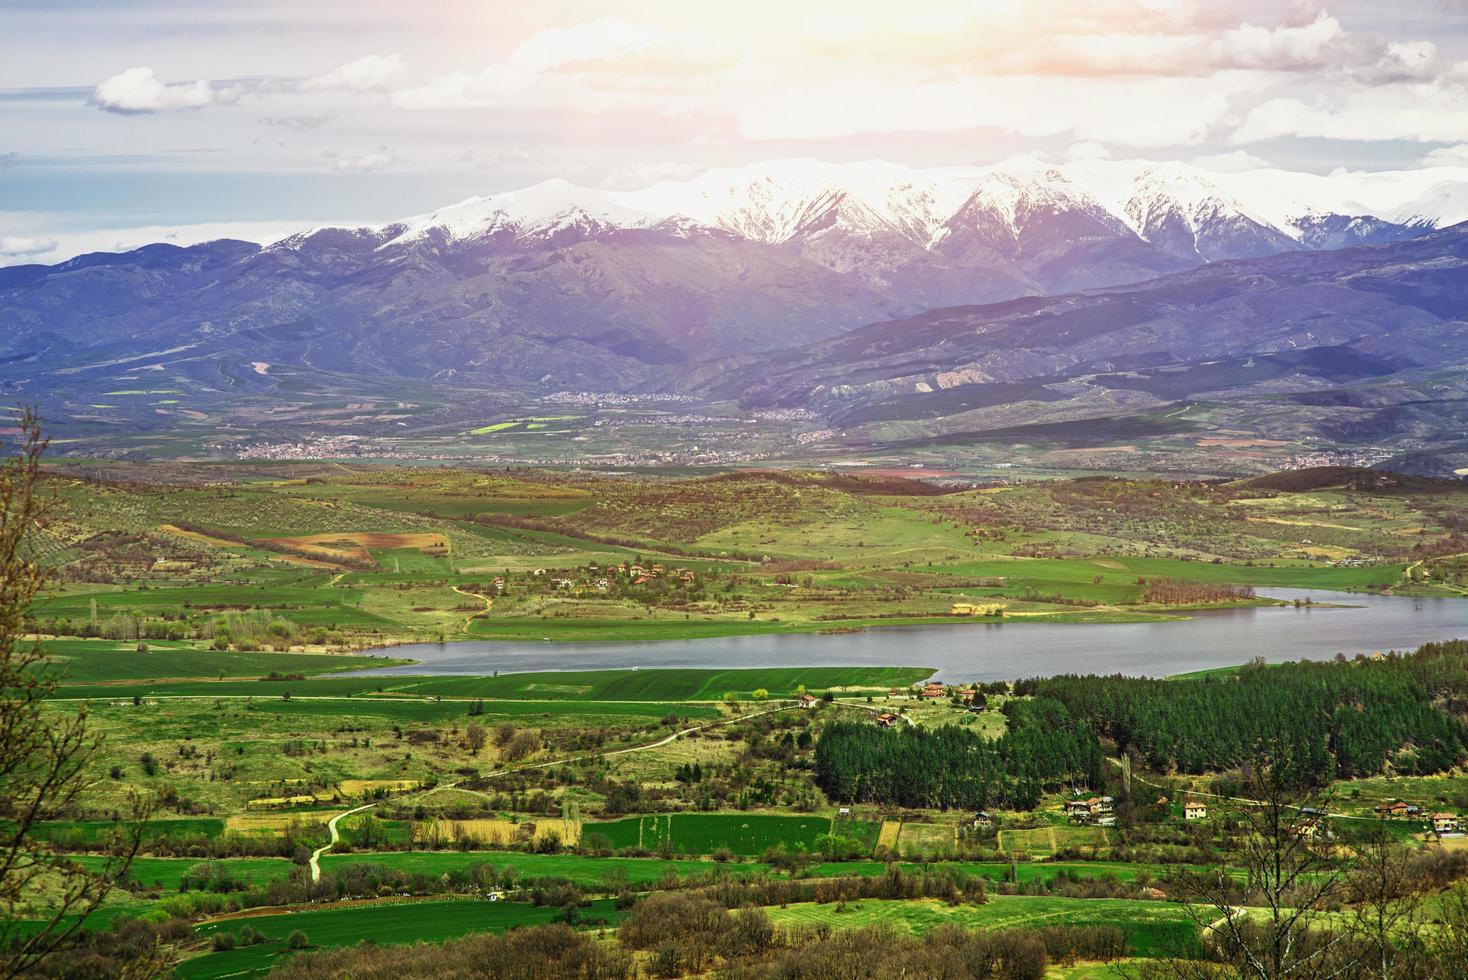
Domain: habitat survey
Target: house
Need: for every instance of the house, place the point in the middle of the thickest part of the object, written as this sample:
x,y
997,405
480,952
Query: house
x,y
806,701
1103,805
1446,823
844,811
602,585
886,719
935,691
1396,810
1079,811
1193,810
562,583
1312,821
539,573
983,819
893,693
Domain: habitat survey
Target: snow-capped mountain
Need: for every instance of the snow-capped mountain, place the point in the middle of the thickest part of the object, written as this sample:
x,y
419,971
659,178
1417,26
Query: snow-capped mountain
x,y
559,286
1185,212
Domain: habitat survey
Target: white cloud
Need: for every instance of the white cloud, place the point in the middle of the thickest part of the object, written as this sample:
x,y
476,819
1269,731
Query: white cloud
x,y
1237,162
1425,112
139,90
1447,156
1180,111
1089,150
612,57
369,73
369,161
24,246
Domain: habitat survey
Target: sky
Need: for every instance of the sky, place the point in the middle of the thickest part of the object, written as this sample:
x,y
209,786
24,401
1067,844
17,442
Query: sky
x,y
128,121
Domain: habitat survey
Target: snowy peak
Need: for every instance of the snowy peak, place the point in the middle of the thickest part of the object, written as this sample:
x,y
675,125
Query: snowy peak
x,y
831,212
1187,215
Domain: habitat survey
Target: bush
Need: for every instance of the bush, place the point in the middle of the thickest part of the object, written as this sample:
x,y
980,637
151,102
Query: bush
x,y
297,940
223,942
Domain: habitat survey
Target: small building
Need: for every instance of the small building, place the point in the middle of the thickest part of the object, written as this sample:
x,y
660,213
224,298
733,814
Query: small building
x,y
886,719
1447,823
1079,811
1194,810
1395,810
983,819
806,701
935,691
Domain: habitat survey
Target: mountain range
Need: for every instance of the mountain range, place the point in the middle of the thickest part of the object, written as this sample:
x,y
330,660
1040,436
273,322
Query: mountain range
x,y
864,292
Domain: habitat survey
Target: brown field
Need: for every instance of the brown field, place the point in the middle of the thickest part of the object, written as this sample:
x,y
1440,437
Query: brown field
x,y
361,787
1227,443
354,545
201,538
222,543
274,823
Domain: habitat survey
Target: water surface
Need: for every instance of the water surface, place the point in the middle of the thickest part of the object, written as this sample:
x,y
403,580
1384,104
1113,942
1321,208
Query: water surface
x,y
1003,651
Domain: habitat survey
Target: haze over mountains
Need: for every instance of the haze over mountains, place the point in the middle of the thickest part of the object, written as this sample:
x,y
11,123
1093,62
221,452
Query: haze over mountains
x,y
800,284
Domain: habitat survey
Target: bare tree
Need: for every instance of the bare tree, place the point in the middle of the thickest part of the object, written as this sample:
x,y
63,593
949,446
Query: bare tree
x,y
1384,897
43,751
1271,925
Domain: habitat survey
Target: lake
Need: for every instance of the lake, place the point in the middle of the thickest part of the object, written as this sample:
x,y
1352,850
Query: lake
x,y
1004,651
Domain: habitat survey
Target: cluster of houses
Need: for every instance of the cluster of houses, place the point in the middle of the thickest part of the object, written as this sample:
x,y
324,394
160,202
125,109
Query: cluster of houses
x,y
637,574
1098,810
1399,810
1444,824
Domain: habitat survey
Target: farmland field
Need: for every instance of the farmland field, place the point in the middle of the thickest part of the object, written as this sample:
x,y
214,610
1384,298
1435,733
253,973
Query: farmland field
x,y
705,833
205,627
1152,928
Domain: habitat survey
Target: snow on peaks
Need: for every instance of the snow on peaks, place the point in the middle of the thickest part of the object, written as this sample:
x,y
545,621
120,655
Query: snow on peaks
x,y
792,200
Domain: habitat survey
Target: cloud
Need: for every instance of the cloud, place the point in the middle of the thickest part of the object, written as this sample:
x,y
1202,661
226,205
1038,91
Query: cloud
x,y
298,123
369,161
595,63
1423,112
1448,156
139,90
369,73
1089,150
24,246
1236,162
1180,111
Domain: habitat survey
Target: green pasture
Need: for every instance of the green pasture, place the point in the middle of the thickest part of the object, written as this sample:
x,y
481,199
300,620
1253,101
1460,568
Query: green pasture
x,y
81,661
1152,928
705,833
383,923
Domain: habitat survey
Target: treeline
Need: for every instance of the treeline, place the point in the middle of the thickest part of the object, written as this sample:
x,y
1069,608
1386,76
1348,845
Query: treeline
x,y
1180,592
1340,719
1044,748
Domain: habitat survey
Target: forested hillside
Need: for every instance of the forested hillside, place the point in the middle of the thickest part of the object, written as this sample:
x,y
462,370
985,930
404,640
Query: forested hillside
x,y
1341,719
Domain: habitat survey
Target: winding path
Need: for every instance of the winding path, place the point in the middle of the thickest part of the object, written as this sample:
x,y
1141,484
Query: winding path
x,y
335,836
488,605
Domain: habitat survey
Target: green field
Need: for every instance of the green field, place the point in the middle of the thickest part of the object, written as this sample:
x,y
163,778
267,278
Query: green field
x,y
705,833
386,923
1152,928
88,661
